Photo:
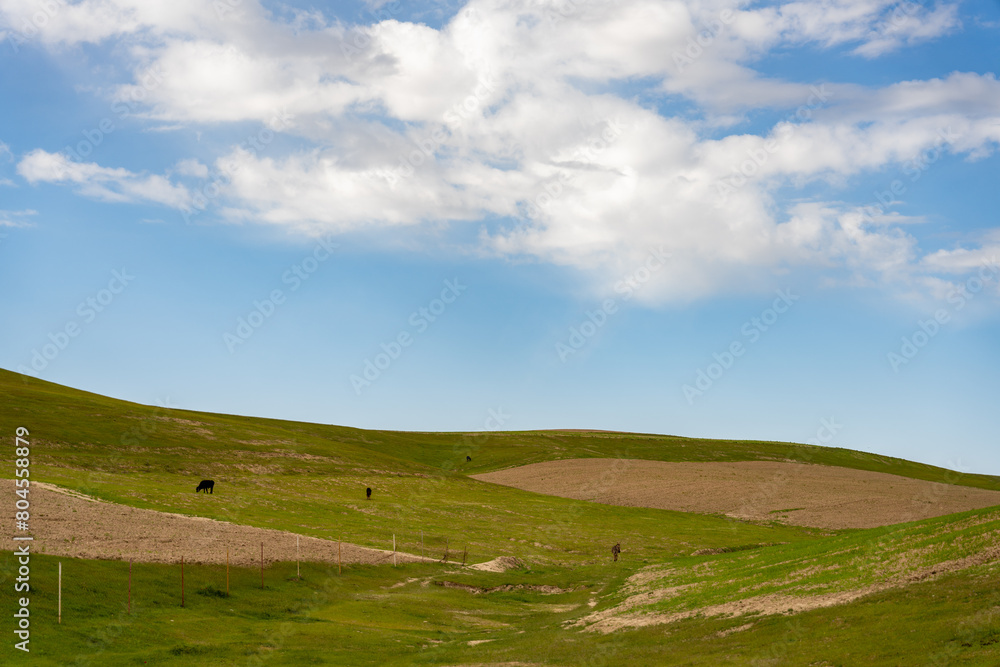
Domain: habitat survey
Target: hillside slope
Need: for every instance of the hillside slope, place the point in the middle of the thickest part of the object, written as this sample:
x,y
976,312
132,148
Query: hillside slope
x,y
64,415
689,589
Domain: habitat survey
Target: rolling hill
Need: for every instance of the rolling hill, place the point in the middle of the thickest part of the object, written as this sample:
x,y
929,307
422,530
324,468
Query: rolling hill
x,y
691,587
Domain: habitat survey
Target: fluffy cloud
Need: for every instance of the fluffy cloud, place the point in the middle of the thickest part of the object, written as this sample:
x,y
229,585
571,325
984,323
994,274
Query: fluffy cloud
x,y
963,260
877,26
515,112
113,185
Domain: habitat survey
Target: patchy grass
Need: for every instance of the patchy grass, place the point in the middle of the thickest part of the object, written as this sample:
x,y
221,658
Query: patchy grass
x,y
310,479
365,617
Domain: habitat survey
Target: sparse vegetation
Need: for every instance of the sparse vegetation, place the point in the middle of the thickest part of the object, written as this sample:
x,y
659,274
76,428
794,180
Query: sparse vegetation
x,y
918,593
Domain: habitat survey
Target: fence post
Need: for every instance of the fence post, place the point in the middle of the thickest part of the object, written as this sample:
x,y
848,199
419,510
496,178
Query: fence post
x,y
421,545
338,555
464,552
60,593
182,581
261,566
298,573
227,571
130,585
394,549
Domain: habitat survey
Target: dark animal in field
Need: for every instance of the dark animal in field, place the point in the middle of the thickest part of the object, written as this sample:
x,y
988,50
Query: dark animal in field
x,y
468,458
207,485
369,492
615,550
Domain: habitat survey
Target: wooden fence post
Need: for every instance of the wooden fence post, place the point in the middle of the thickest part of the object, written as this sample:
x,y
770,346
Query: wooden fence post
x,y
182,581
60,593
227,571
261,566
338,556
394,549
130,585
298,573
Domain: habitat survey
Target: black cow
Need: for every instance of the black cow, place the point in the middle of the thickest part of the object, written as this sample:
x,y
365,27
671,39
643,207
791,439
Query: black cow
x,y
468,459
615,550
207,485
369,493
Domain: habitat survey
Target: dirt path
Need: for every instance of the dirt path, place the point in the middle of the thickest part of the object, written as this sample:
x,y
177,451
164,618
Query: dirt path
x,y
795,493
65,523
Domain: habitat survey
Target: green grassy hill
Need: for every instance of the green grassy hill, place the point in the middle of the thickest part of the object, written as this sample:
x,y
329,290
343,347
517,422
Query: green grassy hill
x,y
920,607
68,415
398,616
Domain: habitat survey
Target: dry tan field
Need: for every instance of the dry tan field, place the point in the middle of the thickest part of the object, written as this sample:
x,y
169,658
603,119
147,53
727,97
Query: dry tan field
x,y
795,493
64,523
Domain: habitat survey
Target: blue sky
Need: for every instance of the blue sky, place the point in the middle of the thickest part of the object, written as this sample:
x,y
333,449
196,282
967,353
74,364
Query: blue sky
x,y
575,227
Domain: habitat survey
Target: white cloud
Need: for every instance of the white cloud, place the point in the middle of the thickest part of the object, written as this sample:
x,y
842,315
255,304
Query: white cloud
x,y
513,110
877,26
191,167
964,260
908,23
113,185
16,218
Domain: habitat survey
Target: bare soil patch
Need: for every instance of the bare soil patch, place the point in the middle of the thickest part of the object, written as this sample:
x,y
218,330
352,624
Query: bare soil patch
x,y
797,493
504,588
765,605
500,564
625,614
67,523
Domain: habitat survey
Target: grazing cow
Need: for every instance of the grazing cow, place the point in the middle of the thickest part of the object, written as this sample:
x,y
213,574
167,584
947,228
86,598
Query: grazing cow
x,y
615,550
369,492
207,485
468,459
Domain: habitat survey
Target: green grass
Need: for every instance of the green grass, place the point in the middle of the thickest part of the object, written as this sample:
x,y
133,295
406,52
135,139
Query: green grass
x,y
359,618
850,561
310,479
93,423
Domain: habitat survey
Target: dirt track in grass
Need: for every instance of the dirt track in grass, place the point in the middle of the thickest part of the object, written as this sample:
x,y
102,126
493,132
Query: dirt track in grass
x,y
795,493
65,523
